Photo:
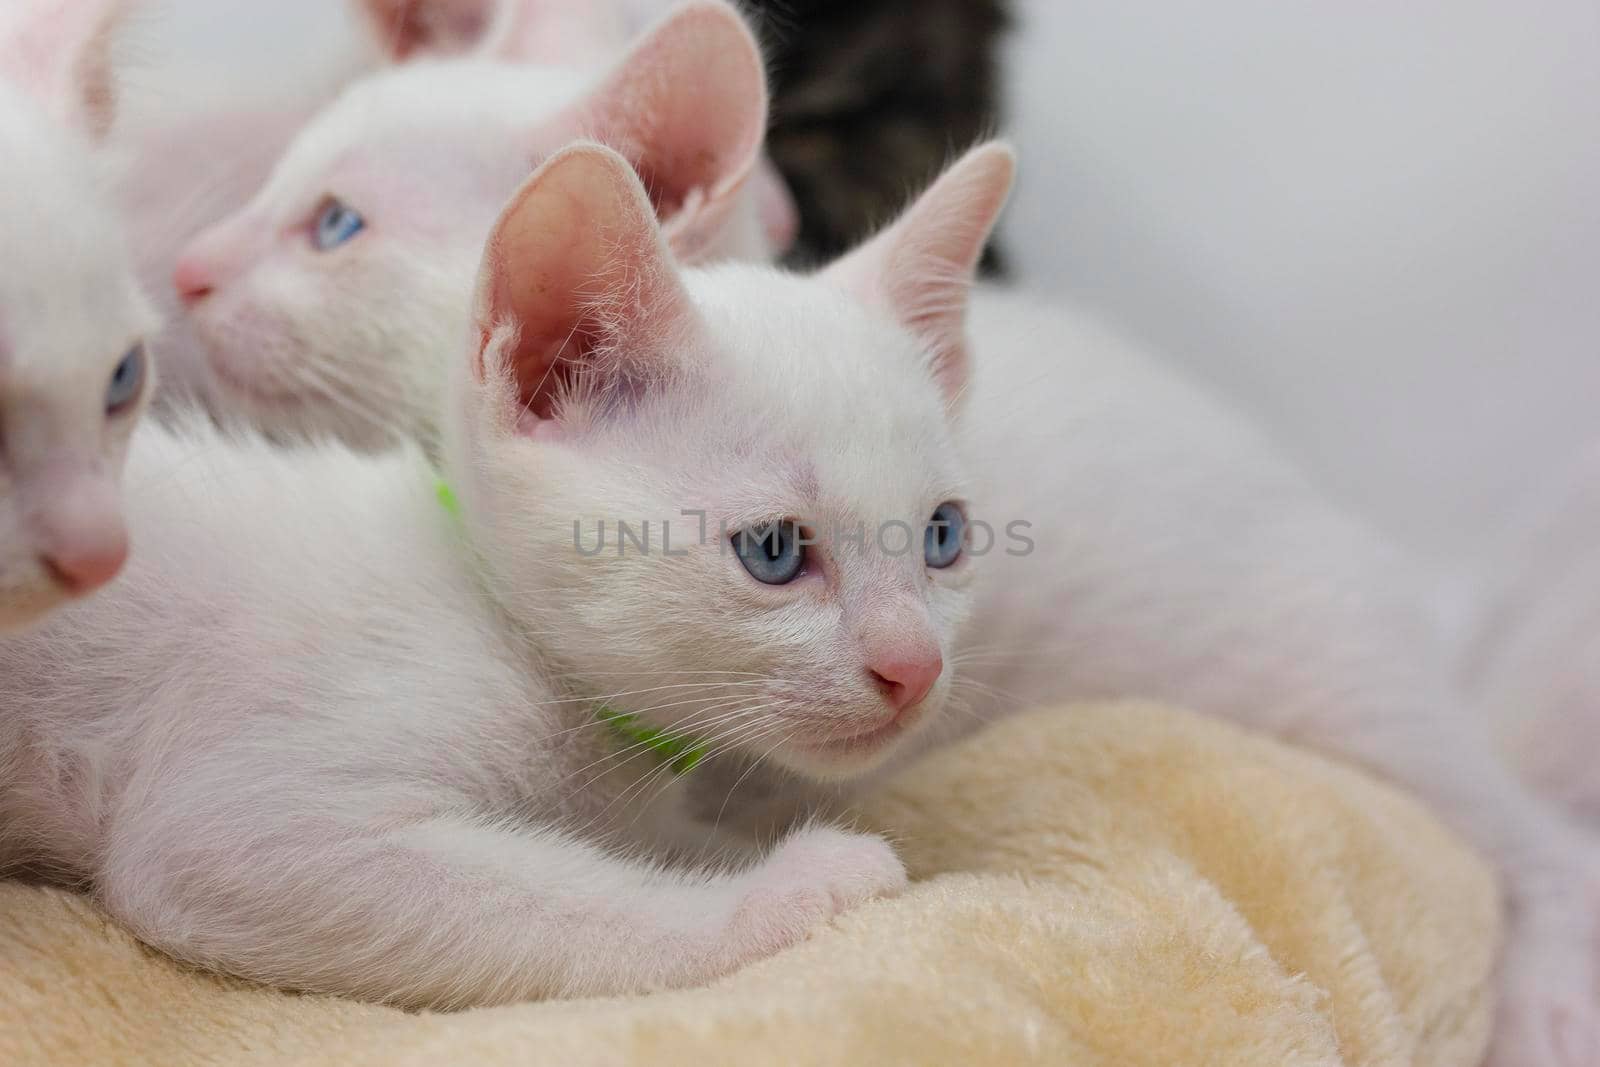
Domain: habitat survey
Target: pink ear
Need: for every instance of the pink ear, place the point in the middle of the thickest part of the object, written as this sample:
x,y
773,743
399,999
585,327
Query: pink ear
x,y
404,28
60,53
577,293
920,269
688,106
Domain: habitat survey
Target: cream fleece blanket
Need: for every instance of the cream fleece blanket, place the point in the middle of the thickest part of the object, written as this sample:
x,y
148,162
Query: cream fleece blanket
x,y
1105,885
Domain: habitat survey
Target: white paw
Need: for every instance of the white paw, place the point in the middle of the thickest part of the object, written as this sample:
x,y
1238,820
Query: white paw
x,y
1549,1013
815,874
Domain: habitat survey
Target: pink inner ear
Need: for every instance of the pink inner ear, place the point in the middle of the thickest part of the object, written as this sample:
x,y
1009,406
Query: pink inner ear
x,y
688,106
921,268
60,53
404,28
577,268
539,294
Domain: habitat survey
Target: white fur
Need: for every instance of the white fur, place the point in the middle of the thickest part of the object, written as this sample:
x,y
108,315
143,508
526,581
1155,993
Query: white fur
x,y
347,343
69,309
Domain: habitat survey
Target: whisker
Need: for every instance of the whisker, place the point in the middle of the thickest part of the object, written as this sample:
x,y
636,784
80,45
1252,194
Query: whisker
x,y
717,822
751,735
639,748
622,797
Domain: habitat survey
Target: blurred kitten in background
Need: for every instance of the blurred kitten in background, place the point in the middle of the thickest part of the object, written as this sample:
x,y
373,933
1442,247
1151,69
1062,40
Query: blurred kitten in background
x,y
325,305
73,369
204,131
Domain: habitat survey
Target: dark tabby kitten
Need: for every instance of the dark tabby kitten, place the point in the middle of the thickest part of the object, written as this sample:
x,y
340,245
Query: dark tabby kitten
x,y
870,98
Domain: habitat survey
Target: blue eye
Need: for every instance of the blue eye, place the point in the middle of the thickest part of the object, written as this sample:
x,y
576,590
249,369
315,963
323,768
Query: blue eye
x,y
772,554
127,382
947,531
336,224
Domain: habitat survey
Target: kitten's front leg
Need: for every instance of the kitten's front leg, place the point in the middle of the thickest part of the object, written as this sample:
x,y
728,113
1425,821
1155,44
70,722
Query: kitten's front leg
x,y
449,912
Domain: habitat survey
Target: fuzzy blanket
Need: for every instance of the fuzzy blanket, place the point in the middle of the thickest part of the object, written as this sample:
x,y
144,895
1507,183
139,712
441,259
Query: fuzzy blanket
x,y
1101,885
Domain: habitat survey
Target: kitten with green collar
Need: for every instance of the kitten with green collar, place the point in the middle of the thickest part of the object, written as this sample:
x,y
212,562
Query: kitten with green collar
x,y
339,731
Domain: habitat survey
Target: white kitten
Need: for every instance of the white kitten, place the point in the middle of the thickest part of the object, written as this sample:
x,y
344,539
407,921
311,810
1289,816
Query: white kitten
x,y
72,369
201,137
336,731
326,302
1534,662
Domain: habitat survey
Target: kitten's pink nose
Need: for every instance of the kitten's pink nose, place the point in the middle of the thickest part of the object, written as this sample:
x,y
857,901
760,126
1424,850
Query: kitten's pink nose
x,y
905,678
82,539
84,572
193,280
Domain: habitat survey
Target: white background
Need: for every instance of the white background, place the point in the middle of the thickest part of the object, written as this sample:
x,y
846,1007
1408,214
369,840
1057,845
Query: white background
x,y
1379,221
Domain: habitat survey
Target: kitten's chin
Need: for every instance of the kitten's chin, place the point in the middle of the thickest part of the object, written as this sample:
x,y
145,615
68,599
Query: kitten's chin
x,y
835,756
249,388
288,415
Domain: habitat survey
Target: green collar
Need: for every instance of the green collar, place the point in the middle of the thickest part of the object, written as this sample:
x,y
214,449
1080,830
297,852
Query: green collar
x,y
447,498
680,751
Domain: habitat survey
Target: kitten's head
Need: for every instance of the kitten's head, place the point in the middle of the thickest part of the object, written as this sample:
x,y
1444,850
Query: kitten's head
x,y
325,302
72,368
606,386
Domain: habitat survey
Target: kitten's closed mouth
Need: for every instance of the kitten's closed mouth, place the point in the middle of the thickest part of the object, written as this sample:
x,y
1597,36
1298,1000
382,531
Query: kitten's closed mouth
x,y
867,740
